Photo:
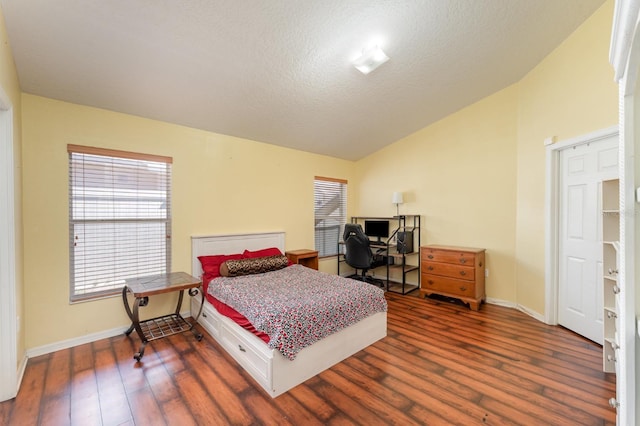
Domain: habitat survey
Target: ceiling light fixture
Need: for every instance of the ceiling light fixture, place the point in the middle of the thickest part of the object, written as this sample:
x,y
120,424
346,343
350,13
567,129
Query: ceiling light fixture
x,y
370,60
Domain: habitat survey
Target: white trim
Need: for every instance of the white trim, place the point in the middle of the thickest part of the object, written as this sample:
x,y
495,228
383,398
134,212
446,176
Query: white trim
x,y
551,216
21,369
512,305
88,338
8,320
624,55
500,302
627,364
533,314
551,234
77,341
625,21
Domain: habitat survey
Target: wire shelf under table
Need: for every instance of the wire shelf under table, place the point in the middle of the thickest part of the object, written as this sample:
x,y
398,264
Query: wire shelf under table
x,y
164,326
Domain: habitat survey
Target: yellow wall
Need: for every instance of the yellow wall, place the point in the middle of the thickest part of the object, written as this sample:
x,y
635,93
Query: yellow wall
x,y
572,92
10,85
221,185
478,176
458,174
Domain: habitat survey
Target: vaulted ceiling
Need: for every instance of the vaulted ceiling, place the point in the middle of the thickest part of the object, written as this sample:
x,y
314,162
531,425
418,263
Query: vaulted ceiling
x,y
279,71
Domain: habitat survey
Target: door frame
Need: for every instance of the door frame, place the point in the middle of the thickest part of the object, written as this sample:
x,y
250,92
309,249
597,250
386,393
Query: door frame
x,y
8,320
552,215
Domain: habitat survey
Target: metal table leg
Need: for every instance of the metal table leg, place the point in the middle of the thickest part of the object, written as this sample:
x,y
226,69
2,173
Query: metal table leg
x,y
162,326
193,292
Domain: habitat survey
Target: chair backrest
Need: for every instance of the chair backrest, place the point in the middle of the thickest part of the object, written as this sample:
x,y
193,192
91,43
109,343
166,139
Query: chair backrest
x,y
357,251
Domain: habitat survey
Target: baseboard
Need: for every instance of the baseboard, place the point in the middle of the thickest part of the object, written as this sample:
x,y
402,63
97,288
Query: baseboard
x,y
21,369
531,313
517,306
69,343
500,302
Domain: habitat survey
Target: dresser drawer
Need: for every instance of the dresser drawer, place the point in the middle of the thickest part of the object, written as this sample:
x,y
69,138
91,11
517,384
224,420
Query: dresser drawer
x,y
448,286
449,270
447,256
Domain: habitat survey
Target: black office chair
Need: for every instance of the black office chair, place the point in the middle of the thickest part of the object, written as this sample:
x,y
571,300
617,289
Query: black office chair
x,y
358,253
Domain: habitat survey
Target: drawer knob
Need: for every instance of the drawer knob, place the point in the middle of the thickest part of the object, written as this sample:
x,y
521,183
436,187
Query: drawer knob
x,y
430,268
430,282
241,348
611,314
463,273
463,288
616,289
430,256
463,260
612,271
614,403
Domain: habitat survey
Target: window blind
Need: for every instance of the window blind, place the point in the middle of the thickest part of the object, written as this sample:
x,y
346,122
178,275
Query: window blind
x,y
330,210
119,219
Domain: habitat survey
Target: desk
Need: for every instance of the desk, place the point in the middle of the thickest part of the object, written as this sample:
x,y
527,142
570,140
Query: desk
x,y
387,256
165,325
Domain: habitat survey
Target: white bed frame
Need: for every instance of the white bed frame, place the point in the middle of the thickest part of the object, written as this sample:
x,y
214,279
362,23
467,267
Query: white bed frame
x,y
275,373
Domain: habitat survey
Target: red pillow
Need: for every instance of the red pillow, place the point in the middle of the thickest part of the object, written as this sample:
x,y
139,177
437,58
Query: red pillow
x,y
211,264
271,251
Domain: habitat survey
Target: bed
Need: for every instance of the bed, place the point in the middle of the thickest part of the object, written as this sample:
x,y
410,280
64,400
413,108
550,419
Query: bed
x,y
274,372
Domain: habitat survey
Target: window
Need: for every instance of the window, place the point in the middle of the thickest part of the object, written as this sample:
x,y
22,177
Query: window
x,y
330,208
119,219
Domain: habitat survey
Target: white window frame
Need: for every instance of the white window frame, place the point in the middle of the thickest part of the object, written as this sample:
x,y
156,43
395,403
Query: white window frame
x,y
116,231
330,213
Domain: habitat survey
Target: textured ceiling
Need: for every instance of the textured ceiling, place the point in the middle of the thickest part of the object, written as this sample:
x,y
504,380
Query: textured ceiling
x,y
278,71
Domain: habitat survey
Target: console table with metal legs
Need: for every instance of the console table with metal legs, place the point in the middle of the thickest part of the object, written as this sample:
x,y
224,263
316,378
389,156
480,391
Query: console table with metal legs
x,y
166,325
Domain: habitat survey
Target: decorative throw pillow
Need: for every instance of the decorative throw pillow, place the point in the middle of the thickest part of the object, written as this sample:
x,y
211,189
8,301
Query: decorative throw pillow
x,y
257,265
271,251
211,264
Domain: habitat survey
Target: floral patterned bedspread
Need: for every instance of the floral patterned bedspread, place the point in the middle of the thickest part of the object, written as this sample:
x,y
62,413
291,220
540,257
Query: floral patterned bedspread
x,y
297,306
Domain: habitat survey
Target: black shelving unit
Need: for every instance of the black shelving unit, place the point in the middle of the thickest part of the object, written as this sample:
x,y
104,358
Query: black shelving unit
x,y
400,253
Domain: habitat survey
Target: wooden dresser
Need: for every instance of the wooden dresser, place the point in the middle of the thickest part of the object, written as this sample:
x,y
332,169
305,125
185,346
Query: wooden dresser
x,y
450,271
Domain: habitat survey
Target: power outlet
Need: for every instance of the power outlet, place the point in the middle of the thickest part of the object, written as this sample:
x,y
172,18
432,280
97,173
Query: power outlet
x,y
486,272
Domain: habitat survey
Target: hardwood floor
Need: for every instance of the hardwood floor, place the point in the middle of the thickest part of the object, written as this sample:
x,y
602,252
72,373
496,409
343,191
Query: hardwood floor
x,y
440,364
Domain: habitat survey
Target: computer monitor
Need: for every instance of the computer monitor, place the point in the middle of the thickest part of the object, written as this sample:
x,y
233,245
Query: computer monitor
x,y
376,228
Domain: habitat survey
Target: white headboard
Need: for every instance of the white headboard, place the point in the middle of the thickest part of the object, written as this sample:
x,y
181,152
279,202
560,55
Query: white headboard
x,y
229,244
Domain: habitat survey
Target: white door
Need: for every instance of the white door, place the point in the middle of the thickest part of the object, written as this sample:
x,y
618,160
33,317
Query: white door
x,y
582,170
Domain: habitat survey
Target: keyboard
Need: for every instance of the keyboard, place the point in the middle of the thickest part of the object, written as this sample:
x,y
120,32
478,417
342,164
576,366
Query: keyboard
x,y
377,243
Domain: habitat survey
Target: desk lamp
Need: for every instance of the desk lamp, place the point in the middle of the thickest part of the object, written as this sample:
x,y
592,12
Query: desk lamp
x,y
397,200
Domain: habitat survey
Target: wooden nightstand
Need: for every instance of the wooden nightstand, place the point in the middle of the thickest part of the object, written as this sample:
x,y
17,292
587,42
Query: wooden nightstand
x,y
304,257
